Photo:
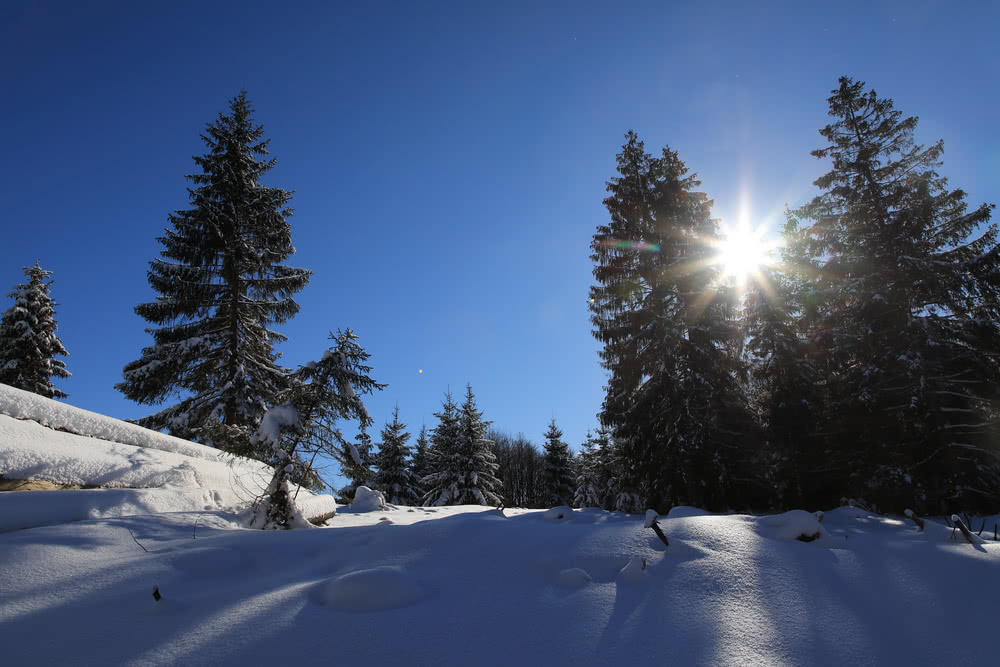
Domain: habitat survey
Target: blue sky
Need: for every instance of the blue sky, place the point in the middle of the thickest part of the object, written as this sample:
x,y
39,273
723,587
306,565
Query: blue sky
x,y
449,160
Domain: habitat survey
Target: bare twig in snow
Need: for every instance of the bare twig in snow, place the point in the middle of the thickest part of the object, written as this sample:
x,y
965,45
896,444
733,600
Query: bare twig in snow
x,y
135,540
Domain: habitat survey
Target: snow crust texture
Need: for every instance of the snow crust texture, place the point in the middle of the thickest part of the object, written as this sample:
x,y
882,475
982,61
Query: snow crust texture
x,y
468,584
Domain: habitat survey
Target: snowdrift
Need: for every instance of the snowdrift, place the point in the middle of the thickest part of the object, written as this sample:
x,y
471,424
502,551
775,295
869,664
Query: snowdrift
x,y
138,471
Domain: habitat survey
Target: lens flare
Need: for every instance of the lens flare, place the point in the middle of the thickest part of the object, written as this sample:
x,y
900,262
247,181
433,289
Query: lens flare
x,y
630,245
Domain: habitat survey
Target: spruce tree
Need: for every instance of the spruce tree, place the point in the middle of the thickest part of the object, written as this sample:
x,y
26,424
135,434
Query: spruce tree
x,y
588,483
302,424
468,475
28,341
442,455
902,283
786,393
221,288
559,476
420,464
667,326
393,476
356,461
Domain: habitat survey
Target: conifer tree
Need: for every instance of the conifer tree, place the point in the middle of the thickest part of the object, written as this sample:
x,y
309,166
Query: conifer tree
x,y
588,483
393,476
420,464
903,287
356,461
559,476
28,341
302,424
221,288
674,397
468,476
442,454
786,393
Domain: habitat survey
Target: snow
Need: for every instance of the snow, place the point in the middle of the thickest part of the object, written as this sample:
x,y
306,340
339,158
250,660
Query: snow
x,y
367,500
574,577
558,513
375,589
269,431
793,525
161,474
651,517
454,585
25,405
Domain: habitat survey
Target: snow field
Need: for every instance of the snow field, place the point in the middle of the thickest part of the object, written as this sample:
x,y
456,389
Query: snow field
x,y
454,585
446,585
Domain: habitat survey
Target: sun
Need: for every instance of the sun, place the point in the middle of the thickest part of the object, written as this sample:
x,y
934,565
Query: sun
x,y
742,251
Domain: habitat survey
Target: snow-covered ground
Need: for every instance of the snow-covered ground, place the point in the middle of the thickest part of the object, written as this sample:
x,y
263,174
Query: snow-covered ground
x,y
143,472
471,585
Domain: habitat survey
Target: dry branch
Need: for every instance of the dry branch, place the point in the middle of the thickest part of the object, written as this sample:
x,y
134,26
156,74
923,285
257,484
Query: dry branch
x,y
965,531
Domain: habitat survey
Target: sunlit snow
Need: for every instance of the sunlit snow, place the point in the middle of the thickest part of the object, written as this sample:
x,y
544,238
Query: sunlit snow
x,y
450,585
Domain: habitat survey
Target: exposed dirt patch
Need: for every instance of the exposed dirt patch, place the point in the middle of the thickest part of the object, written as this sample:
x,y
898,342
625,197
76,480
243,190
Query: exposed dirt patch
x,y
36,485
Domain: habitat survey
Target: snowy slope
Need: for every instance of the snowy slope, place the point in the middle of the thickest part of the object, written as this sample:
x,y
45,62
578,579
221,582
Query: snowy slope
x,y
147,472
464,585
456,586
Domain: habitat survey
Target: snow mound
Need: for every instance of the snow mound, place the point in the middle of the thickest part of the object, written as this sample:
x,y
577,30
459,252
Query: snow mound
x,y
367,500
24,405
164,474
558,513
793,525
574,577
683,511
634,571
378,588
651,517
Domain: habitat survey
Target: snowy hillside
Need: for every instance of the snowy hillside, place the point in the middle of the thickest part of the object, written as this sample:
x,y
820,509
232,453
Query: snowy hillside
x,y
142,471
460,585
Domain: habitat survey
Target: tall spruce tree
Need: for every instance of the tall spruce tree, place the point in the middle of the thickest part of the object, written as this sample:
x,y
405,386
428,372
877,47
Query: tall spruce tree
x,y
786,393
221,288
420,464
667,325
588,483
468,476
393,476
902,286
559,477
28,341
442,455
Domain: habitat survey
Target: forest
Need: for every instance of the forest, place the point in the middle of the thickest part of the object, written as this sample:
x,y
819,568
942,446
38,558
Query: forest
x,y
858,361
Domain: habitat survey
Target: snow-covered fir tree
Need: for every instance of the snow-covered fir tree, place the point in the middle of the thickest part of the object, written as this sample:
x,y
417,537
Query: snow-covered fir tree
x,y
393,476
588,480
28,341
468,476
903,287
668,326
420,464
221,288
356,461
444,445
559,477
